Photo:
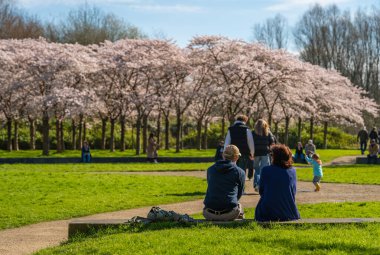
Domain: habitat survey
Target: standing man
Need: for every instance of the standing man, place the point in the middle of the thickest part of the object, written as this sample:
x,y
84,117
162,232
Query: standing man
x,y
363,139
225,185
241,136
373,135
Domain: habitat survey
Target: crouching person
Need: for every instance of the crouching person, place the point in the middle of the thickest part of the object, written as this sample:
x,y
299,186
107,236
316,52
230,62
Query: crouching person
x,y
225,182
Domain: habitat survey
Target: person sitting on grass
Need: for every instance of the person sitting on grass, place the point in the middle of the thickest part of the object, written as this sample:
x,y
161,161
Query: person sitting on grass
x,y
373,150
299,156
277,188
310,148
225,182
316,162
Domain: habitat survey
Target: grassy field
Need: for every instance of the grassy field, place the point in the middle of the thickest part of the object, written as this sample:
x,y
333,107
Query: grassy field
x,y
251,238
117,167
357,174
33,196
106,153
326,155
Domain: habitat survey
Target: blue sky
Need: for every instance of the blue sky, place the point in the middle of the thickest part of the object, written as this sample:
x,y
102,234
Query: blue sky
x,y
181,20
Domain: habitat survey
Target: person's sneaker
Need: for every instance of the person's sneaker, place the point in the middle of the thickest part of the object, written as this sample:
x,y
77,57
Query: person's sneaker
x,y
317,187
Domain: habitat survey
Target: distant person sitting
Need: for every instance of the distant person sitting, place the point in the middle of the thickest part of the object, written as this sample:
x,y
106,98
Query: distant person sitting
x,y
86,154
219,151
225,182
299,156
310,148
277,188
373,150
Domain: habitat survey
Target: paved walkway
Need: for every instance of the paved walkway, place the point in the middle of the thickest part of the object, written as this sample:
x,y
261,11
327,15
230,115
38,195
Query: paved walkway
x,y
28,239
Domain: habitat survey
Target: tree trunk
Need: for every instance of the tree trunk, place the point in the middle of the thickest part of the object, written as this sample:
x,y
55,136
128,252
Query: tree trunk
x,y
62,137
299,129
9,134
57,136
312,128
167,132
138,131
112,135
223,127
15,136
73,134
286,138
276,130
181,133
132,138
325,135
45,133
145,133
84,131
269,119
199,134
158,135
205,133
80,140
32,134
178,133
104,129
122,133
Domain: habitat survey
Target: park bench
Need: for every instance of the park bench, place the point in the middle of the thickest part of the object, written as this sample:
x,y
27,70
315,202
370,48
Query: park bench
x,y
89,226
364,160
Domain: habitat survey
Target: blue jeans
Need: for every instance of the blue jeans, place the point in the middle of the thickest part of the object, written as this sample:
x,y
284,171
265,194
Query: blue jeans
x,y
259,163
363,146
86,157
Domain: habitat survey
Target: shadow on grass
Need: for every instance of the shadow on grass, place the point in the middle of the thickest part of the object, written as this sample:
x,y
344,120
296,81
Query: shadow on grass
x,y
188,194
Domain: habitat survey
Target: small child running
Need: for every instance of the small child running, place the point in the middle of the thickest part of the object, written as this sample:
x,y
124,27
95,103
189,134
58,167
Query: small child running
x,y
317,170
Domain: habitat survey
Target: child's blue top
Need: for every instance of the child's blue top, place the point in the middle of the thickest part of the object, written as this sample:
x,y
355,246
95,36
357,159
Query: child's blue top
x,y
317,168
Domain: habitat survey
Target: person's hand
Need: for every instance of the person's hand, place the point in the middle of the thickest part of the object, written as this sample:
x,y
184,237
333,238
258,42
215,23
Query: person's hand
x,y
250,156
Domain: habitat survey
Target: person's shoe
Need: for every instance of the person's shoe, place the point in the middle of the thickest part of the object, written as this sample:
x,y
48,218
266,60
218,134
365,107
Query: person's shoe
x,y
317,187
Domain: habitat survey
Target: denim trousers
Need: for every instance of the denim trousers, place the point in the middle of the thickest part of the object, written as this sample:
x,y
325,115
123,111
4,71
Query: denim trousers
x,y
259,163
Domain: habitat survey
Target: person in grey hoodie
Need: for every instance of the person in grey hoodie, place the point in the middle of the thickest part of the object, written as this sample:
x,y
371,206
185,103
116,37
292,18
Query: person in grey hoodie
x,y
225,187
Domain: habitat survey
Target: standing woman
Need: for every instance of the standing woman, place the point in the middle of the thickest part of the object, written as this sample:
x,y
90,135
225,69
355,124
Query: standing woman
x,y
263,140
151,149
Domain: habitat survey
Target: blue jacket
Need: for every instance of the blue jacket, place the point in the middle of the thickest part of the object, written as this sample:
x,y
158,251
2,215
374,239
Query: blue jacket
x,y
225,185
278,189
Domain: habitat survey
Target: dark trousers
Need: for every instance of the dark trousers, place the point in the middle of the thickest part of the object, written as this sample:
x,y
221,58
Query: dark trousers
x,y
363,146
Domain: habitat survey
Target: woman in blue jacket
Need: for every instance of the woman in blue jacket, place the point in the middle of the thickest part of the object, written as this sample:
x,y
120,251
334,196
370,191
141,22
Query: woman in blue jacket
x,y
278,188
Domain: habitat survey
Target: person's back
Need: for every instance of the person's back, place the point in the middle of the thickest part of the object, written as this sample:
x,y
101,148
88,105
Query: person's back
x,y
238,133
373,135
363,135
262,143
278,188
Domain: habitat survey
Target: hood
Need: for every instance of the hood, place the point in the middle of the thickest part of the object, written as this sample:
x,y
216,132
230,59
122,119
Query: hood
x,y
224,166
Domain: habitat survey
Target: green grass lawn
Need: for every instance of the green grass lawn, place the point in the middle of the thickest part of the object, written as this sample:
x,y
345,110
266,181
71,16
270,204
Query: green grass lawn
x,y
106,153
108,167
33,196
166,238
358,174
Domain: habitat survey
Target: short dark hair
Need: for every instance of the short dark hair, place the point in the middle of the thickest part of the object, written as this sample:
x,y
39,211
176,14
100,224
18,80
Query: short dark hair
x,y
282,156
243,118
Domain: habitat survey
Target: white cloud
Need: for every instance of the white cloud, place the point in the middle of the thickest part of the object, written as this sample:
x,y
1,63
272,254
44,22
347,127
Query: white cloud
x,y
286,5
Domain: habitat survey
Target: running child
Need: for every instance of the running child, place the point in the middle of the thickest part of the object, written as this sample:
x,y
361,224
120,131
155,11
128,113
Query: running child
x,y
316,162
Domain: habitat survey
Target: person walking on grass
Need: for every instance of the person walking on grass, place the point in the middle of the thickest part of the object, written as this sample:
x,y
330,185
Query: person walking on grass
x,y
278,188
316,162
241,136
363,139
263,140
225,186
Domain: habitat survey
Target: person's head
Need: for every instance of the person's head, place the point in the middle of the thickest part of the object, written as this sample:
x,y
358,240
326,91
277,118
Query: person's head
x,y
261,127
315,156
231,152
310,142
242,118
221,142
281,156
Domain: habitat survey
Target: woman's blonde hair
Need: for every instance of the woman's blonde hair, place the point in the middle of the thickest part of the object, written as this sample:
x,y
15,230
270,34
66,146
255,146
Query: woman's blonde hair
x,y
261,127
